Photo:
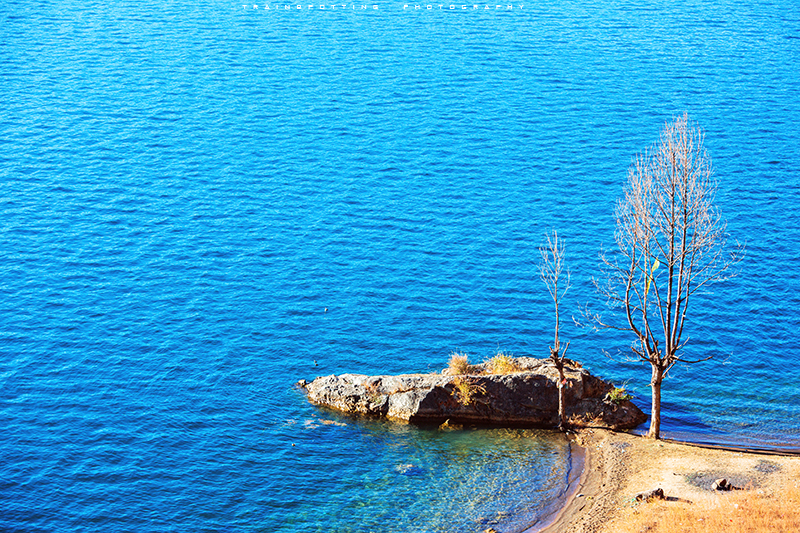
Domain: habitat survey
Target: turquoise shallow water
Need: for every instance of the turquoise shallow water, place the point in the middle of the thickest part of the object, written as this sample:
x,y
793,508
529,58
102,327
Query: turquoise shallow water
x,y
186,187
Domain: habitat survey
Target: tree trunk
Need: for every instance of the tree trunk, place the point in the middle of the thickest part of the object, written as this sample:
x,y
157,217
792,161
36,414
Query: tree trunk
x,y
562,411
655,414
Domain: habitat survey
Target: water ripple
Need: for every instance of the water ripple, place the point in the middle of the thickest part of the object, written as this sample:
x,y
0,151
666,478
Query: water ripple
x,y
201,204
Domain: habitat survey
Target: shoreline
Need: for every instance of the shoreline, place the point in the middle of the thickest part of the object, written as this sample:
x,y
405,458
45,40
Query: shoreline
x,y
580,466
617,466
578,469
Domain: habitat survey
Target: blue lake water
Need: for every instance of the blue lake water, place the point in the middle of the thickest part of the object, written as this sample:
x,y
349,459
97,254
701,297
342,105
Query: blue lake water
x,y
186,187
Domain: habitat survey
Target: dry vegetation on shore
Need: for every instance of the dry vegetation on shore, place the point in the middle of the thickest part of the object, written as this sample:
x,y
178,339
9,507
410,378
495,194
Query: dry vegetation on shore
x,y
501,363
619,466
746,511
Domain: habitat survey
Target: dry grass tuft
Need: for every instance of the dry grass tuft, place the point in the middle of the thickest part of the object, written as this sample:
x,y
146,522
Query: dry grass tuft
x,y
738,512
459,364
502,363
466,389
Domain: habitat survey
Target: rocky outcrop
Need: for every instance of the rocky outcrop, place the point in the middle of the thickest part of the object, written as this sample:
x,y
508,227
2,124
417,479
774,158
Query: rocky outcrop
x,y
528,398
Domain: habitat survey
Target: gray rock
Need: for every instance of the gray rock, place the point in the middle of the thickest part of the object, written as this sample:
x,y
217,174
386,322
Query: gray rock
x,y
723,484
525,399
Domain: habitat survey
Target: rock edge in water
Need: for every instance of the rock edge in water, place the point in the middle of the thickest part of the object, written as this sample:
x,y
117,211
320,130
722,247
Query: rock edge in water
x,y
528,398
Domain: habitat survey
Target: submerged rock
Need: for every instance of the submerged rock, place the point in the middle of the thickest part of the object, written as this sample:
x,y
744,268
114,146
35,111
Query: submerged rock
x,y
528,398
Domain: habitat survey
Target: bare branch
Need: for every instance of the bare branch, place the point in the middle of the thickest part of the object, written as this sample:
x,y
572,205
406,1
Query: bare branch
x,y
671,243
551,271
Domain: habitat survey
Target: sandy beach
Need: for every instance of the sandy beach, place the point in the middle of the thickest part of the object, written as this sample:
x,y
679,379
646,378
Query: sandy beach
x,y
618,466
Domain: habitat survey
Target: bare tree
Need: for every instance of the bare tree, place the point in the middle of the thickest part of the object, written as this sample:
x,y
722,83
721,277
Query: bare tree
x,y
671,243
551,270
